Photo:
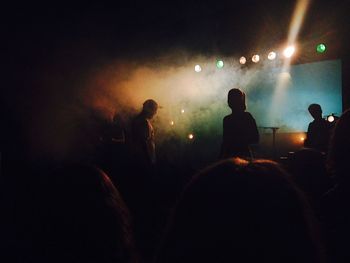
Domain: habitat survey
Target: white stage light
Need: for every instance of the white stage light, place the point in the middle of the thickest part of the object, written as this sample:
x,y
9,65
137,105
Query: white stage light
x,y
256,58
272,55
197,68
289,51
242,60
330,118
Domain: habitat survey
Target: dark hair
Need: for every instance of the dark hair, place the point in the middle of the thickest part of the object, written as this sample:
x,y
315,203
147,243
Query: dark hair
x,y
315,110
236,100
150,108
237,210
85,219
150,104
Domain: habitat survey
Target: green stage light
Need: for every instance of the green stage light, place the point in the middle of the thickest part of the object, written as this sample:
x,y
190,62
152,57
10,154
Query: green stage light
x,y
219,64
321,48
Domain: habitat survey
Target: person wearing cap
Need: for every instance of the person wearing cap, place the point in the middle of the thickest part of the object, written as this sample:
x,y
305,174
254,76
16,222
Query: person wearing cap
x,y
142,134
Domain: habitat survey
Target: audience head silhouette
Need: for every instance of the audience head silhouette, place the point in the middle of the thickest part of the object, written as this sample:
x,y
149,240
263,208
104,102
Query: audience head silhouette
x,y
150,108
240,211
85,218
236,100
308,169
315,111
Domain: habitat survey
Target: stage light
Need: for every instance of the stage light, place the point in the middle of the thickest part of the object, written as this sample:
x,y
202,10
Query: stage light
x,y
302,139
321,48
182,111
242,60
272,55
197,68
219,64
190,136
256,58
172,123
289,51
330,118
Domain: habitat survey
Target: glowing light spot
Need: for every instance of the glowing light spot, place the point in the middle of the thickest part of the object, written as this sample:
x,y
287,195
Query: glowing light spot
x,y
242,60
219,64
321,48
191,136
182,111
197,68
289,51
172,123
330,118
272,55
256,58
302,139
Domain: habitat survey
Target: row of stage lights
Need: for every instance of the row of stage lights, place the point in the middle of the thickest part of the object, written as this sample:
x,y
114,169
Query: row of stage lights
x,y
288,52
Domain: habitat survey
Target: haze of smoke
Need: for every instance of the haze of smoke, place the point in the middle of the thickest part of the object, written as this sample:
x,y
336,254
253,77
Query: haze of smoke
x,y
121,87
124,86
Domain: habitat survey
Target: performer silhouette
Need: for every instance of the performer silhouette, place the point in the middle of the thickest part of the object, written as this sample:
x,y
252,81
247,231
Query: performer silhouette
x,y
142,133
239,128
318,131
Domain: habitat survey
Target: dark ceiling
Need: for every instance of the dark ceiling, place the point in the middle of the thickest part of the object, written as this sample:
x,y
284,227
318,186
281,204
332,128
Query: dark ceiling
x,y
145,28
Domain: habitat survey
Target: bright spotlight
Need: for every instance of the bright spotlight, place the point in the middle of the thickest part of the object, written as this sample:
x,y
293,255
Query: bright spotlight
x,y
272,55
242,60
197,68
219,64
330,118
190,136
182,111
302,139
289,51
172,123
256,58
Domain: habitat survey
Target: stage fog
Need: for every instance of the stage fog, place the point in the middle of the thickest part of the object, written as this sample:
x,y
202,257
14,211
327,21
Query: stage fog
x,y
194,102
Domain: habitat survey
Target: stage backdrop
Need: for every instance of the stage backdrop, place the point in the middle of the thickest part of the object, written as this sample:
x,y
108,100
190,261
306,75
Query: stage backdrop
x,y
282,99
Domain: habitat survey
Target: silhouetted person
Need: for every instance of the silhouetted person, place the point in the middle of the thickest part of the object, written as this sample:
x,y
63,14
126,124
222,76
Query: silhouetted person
x,y
239,128
318,131
239,211
142,134
142,173
336,211
84,218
